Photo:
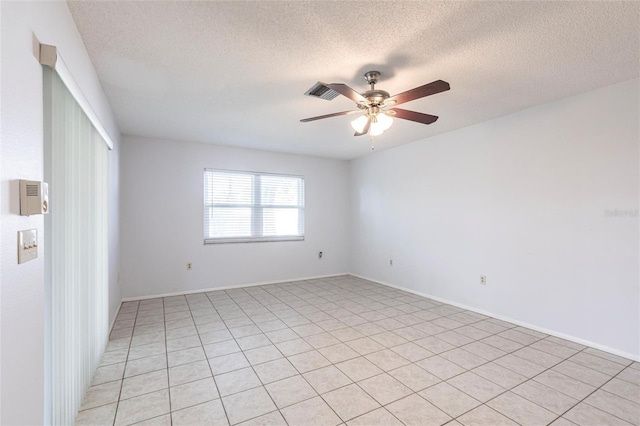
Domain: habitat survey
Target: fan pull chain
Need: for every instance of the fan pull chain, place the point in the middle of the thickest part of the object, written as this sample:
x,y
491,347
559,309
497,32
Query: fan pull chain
x,y
371,139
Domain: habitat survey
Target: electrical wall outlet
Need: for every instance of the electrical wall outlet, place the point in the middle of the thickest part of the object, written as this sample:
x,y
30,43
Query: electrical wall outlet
x,y
391,262
189,266
319,255
483,280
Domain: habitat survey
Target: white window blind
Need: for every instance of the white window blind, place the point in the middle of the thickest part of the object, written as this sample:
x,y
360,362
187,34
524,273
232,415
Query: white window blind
x,y
249,206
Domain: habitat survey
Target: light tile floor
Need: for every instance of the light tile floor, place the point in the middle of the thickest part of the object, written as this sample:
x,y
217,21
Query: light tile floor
x,y
345,350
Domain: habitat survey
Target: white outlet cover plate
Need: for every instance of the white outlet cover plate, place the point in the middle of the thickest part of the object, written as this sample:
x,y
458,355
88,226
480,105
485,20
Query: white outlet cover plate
x,y
27,245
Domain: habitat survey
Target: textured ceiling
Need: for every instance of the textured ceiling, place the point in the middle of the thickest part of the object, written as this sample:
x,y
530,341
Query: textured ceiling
x,y
234,73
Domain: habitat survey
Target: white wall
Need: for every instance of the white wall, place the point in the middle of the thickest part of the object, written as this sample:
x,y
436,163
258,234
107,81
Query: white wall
x,y
520,199
22,289
162,219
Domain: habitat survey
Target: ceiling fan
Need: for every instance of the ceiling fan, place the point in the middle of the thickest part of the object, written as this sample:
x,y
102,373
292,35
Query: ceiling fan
x,y
378,106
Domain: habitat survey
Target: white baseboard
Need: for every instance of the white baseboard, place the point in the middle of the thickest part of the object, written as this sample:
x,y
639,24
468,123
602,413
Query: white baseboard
x,y
231,287
635,357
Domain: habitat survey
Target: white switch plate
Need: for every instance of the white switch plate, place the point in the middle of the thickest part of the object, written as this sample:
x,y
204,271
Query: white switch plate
x,y
27,245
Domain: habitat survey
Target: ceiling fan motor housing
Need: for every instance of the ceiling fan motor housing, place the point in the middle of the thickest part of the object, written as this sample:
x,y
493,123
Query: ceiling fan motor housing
x,y
376,97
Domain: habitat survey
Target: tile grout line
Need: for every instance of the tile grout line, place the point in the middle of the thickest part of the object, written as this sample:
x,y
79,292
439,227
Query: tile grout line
x,y
166,357
125,364
509,389
351,294
453,418
285,357
224,410
387,373
250,364
245,312
551,368
596,390
467,370
529,379
507,353
334,365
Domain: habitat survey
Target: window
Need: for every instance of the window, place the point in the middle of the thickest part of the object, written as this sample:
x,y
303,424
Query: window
x,y
248,206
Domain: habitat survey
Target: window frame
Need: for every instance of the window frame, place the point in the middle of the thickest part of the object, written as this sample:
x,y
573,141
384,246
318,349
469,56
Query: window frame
x,y
257,209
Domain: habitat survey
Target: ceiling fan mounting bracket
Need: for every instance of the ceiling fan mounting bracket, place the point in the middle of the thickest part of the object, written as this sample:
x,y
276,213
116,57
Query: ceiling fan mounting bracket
x,y
372,77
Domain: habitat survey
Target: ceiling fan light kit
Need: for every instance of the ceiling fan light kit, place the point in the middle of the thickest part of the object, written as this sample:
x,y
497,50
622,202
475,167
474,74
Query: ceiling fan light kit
x,y
378,106
380,122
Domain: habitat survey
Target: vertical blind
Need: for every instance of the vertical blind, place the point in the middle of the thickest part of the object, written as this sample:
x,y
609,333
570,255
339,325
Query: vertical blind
x,y
249,206
76,247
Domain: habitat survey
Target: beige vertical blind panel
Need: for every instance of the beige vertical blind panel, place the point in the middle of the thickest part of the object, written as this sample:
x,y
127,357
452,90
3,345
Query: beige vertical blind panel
x,y
76,247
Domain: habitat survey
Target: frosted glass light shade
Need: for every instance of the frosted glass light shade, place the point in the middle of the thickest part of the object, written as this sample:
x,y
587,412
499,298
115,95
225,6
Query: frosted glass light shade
x,y
384,120
376,129
359,123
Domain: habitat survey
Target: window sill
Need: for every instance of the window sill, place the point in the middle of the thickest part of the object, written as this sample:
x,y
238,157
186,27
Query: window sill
x,y
252,240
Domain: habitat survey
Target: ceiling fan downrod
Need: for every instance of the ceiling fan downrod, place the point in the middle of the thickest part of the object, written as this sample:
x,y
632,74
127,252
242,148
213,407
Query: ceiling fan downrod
x,y
372,78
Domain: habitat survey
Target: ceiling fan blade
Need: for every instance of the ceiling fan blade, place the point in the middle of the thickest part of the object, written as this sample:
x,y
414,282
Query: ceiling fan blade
x,y
347,91
420,92
335,114
418,117
365,130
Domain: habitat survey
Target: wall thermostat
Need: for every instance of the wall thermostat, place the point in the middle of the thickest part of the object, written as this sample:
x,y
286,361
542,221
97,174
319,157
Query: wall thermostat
x,y
34,197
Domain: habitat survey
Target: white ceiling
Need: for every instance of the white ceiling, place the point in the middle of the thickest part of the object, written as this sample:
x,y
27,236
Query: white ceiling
x,y
234,73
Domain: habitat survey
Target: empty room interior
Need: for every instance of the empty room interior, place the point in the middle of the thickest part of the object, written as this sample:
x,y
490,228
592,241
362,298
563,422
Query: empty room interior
x,y
320,213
